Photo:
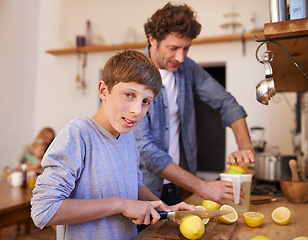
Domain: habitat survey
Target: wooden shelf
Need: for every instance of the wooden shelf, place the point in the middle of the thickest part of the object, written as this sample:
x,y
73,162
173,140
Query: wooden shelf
x,y
286,75
201,40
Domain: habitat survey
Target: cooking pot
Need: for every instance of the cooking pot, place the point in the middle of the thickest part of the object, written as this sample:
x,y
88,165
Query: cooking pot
x,y
272,168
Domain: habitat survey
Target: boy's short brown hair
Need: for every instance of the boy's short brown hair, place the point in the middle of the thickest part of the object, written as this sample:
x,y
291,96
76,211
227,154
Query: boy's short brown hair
x,y
180,19
132,66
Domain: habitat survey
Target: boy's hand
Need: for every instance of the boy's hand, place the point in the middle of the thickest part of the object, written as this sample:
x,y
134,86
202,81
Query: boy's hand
x,y
182,206
139,211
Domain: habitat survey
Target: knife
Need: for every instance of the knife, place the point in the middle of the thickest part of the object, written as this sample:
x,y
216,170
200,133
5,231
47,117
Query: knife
x,y
178,215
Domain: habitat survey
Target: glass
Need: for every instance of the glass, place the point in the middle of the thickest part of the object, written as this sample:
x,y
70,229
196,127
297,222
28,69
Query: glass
x,y
238,180
31,179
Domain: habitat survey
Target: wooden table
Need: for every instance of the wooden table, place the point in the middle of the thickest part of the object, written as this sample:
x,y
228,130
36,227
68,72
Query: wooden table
x,y
14,205
238,230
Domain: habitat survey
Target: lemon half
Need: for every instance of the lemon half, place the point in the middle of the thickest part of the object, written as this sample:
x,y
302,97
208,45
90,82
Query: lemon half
x,y
230,217
204,220
210,205
253,219
236,169
281,215
192,227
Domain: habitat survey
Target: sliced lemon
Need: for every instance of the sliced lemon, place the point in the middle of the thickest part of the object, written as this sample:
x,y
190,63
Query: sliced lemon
x,y
205,220
236,169
230,217
281,215
301,238
260,238
208,204
253,219
192,227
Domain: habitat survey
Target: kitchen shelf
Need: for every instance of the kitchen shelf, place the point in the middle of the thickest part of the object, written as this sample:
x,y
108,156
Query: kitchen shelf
x,y
201,40
286,75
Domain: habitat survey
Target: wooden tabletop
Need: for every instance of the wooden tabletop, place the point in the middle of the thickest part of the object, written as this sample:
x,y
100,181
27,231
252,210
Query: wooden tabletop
x,y
14,205
238,230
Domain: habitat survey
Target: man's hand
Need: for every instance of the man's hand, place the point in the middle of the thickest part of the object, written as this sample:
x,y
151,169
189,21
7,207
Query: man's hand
x,y
242,157
217,191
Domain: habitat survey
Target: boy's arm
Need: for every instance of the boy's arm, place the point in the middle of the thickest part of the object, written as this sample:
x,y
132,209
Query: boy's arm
x,y
73,211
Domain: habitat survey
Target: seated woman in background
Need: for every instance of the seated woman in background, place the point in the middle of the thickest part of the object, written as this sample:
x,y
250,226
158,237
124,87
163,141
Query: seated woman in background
x,y
47,134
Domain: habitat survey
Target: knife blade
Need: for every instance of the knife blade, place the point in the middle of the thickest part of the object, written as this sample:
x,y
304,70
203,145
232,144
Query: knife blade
x,y
178,215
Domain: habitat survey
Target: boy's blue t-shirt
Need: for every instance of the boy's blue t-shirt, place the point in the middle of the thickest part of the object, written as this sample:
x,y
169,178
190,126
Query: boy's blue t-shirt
x,y
86,162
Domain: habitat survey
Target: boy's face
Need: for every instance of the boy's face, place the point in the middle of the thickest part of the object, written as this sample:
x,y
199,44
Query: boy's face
x,y
124,107
169,53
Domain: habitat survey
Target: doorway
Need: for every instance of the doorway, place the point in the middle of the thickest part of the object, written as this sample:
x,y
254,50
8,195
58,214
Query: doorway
x,y
211,136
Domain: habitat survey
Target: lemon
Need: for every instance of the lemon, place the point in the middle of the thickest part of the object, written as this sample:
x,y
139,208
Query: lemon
x,y
208,204
192,227
205,220
236,169
260,238
281,215
253,219
301,238
230,217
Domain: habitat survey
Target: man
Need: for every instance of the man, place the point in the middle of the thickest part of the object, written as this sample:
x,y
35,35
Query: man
x,y
166,137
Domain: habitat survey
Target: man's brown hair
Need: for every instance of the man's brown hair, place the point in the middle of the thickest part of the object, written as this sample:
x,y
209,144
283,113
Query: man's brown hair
x,y
178,19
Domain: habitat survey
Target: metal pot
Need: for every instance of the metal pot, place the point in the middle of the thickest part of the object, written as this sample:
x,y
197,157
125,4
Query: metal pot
x,y
272,168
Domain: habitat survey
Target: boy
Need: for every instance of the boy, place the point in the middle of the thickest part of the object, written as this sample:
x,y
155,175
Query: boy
x,y
91,184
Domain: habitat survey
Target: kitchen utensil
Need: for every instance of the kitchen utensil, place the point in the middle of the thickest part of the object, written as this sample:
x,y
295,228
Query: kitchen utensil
x,y
295,192
272,167
301,166
264,200
265,89
238,180
257,138
178,215
293,167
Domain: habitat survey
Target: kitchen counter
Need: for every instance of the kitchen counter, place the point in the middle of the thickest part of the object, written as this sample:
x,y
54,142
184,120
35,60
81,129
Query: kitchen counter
x,y
238,230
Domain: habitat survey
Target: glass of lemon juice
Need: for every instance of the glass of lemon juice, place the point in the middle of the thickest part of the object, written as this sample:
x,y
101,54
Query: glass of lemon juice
x,y
241,205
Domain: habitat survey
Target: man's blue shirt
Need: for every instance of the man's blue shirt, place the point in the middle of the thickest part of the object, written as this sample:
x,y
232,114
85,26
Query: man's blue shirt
x,y
152,133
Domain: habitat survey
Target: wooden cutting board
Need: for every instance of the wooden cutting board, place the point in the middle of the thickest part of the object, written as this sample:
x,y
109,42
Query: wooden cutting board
x,y
239,230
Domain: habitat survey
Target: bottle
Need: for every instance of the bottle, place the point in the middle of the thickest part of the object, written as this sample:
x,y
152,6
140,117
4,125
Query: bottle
x,y
24,177
278,10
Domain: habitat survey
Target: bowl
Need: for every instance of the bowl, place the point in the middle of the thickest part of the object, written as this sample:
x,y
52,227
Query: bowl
x,y
295,192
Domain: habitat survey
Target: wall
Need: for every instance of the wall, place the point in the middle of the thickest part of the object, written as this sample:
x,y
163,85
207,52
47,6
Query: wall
x,y
57,99
18,66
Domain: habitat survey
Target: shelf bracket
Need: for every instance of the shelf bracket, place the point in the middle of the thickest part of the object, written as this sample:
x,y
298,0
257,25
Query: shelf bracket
x,y
273,40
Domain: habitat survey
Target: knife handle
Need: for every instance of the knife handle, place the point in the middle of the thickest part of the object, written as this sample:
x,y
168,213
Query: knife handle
x,y
163,215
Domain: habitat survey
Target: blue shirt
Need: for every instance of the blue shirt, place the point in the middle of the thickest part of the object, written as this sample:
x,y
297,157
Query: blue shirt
x,y
152,133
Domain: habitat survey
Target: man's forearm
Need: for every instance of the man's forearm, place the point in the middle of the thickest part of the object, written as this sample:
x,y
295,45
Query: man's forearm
x,y
241,134
181,177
